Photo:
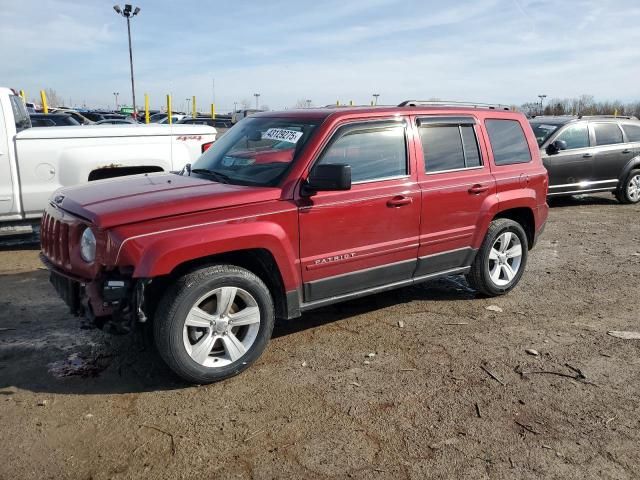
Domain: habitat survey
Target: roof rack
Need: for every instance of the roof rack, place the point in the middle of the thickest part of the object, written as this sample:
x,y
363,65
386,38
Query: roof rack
x,y
624,117
438,103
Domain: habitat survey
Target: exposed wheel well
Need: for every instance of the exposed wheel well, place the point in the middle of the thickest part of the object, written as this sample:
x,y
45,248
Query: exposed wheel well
x,y
112,172
259,261
524,216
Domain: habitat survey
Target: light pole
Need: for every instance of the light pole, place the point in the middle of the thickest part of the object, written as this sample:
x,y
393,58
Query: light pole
x,y
308,103
127,13
257,95
541,97
235,107
188,100
115,94
375,98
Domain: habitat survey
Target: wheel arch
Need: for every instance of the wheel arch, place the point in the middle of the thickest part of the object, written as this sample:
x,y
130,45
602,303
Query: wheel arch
x,y
523,216
632,164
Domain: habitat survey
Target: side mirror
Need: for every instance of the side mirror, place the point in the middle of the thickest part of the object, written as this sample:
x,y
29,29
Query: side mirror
x,y
329,177
556,146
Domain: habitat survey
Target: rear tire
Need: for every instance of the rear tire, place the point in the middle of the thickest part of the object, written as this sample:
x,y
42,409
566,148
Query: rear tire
x,y
501,260
629,190
213,323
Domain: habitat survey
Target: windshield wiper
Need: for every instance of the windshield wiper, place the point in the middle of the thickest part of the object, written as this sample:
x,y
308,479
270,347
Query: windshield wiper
x,y
217,176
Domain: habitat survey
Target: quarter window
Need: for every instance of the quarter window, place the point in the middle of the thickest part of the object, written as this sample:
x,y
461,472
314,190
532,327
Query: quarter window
x,y
449,147
374,152
508,142
632,132
607,133
575,136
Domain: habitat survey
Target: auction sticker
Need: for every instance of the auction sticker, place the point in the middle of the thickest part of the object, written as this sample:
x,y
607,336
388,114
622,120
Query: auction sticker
x,y
282,134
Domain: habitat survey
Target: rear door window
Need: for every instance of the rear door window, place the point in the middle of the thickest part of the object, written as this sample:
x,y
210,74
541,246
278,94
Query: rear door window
x,y
449,147
575,136
375,152
508,142
607,133
632,132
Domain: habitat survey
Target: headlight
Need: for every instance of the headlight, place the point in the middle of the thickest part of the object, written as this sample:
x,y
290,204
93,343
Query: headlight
x,y
88,246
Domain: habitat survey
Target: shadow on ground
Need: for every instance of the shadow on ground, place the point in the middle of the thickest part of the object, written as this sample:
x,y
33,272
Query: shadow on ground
x,y
45,349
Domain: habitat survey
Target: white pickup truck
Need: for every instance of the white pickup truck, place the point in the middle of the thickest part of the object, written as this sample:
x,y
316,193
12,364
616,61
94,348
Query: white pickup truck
x,y
34,162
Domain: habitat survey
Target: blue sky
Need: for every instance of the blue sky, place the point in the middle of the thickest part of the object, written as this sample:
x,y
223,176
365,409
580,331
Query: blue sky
x,y
505,51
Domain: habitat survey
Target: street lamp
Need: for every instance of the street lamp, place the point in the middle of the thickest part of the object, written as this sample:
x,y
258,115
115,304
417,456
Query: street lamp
x,y
308,103
127,13
115,94
541,97
257,95
375,98
188,100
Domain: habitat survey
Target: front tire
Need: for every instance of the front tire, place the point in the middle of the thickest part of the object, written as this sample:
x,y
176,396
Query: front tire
x,y
501,260
629,190
213,323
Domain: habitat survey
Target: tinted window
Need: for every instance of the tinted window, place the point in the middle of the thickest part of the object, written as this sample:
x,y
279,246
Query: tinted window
x,y
449,147
607,133
20,114
632,132
373,152
508,142
470,144
442,148
576,136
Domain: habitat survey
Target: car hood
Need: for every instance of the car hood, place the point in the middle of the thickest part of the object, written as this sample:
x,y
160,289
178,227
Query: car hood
x,y
124,200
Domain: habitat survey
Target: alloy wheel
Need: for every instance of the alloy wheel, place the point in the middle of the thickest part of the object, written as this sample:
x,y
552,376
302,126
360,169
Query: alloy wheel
x,y
505,258
221,326
633,189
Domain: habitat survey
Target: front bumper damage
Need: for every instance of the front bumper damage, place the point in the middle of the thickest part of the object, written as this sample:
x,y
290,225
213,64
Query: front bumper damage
x,y
113,302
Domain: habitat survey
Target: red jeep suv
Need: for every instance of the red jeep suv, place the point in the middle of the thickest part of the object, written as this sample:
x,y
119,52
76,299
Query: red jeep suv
x,y
294,210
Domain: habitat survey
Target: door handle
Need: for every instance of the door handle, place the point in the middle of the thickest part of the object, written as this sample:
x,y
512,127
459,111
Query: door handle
x,y
477,188
626,151
587,155
399,201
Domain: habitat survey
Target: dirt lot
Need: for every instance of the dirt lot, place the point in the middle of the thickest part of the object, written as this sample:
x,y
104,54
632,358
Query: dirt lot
x,y
421,407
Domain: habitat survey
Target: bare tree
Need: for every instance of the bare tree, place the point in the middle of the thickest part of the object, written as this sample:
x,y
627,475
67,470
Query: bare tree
x,y
53,99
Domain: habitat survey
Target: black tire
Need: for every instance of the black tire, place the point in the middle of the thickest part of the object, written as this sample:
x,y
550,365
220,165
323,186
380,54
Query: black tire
x,y
177,302
622,193
479,277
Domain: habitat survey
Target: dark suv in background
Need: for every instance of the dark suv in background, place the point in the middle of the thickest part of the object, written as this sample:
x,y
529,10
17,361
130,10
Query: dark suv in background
x,y
591,154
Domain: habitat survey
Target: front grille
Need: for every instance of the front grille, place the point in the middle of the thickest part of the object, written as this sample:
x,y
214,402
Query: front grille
x,y
54,240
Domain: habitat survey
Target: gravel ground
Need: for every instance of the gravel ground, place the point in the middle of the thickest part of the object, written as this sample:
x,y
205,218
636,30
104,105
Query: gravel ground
x,y
346,392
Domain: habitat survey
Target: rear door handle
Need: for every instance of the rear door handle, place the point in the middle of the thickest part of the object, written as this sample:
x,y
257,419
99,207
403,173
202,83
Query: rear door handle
x,y
399,201
587,155
476,189
626,151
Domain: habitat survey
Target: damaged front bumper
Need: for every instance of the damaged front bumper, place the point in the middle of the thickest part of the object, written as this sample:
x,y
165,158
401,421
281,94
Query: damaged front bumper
x,y
113,301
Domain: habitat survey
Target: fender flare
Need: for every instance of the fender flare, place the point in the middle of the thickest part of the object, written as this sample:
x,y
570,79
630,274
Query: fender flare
x,y
630,165
160,253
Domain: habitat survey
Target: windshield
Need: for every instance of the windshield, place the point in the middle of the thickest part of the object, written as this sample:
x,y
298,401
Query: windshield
x,y
542,131
256,151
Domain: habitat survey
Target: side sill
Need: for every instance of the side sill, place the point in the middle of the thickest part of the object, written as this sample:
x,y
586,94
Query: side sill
x,y
382,288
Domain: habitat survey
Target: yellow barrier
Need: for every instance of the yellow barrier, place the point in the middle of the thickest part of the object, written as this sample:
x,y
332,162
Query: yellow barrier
x,y
213,111
146,108
193,109
169,109
43,97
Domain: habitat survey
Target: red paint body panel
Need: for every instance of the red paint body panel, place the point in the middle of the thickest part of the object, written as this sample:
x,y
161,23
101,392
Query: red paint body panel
x,y
156,222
